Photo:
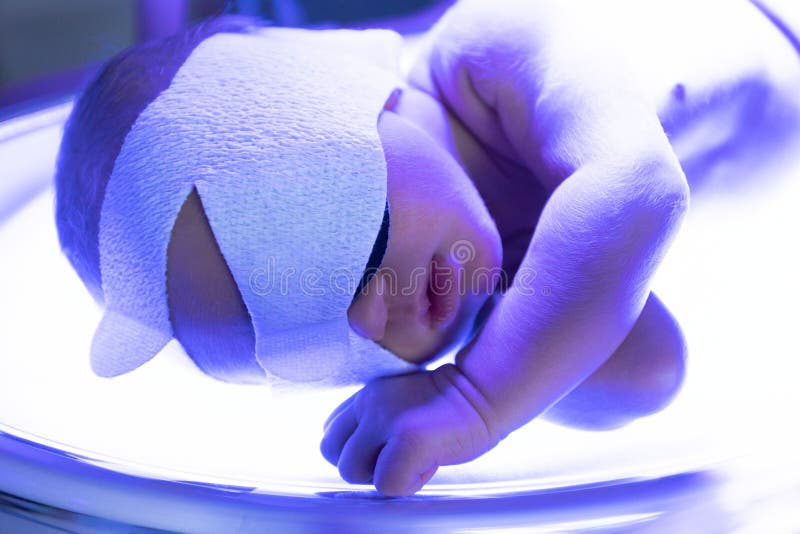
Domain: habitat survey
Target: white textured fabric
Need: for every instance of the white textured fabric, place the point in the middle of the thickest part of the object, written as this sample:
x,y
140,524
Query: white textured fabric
x,y
277,131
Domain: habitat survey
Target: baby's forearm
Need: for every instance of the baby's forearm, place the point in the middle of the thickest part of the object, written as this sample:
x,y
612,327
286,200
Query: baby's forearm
x,y
575,116
579,289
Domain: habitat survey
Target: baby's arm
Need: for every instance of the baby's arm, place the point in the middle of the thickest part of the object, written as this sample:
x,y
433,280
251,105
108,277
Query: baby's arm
x,y
516,78
745,88
547,90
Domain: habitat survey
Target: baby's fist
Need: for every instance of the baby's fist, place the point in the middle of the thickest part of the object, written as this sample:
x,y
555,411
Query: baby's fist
x,y
398,430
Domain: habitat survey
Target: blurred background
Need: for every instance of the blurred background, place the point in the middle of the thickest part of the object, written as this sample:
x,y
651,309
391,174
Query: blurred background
x,y
50,48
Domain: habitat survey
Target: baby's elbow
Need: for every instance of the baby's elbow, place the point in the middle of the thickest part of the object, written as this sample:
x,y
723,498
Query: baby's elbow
x,y
659,193
646,205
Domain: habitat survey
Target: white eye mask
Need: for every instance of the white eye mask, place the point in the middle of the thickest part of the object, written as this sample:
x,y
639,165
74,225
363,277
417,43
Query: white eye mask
x,y
277,131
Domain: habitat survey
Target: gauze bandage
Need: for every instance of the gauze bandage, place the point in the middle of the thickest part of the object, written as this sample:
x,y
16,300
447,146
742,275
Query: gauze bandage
x,y
277,131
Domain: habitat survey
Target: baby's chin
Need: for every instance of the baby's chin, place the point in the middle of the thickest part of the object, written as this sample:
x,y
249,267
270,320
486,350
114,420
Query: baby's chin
x,y
422,343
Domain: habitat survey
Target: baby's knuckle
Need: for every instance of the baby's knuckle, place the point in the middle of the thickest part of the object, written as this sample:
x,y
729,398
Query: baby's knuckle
x,y
367,399
369,391
412,439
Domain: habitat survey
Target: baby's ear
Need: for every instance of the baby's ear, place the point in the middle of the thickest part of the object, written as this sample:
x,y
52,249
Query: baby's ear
x,y
207,312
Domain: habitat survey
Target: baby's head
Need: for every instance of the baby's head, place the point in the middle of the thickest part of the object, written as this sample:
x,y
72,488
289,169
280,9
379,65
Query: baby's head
x,y
435,272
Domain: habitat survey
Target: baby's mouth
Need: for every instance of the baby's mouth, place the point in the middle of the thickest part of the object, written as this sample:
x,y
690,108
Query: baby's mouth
x,y
443,292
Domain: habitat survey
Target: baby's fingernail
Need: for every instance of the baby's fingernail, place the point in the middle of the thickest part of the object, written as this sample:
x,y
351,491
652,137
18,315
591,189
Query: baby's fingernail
x,y
427,475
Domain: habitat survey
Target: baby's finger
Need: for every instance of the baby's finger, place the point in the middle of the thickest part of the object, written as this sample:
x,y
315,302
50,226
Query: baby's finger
x,y
357,461
336,435
403,467
343,406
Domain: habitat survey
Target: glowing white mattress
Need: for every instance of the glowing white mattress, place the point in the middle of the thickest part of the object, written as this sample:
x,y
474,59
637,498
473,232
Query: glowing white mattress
x,y
731,280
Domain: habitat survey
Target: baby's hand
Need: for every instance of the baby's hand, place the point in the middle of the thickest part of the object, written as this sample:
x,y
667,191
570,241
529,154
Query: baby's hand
x,y
396,431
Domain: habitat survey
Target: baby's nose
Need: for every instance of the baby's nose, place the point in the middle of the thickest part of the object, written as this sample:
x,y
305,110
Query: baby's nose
x,y
368,314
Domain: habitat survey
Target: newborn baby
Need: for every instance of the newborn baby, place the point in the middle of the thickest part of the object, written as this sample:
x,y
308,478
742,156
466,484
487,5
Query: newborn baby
x,y
532,191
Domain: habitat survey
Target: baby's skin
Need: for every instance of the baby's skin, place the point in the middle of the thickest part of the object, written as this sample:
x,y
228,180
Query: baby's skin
x,y
561,127
537,173
552,146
